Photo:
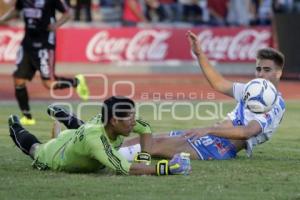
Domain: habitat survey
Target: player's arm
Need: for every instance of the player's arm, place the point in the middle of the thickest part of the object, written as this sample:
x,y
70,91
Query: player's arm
x,y
144,130
10,14
102,151
62,7
141,169
146,142
180,164
236,133
215,79
66,16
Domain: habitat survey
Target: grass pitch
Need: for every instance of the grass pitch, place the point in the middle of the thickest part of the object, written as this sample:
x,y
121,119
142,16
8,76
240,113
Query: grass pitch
x,y
272,173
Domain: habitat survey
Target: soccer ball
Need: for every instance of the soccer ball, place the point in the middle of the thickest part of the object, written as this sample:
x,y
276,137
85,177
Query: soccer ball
x,y
259,95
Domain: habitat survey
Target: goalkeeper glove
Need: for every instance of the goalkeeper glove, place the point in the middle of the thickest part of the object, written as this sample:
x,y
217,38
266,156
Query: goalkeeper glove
x,y
143,157
180,164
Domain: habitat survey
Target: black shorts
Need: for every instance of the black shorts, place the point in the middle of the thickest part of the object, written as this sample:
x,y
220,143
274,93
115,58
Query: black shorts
x,y
29,61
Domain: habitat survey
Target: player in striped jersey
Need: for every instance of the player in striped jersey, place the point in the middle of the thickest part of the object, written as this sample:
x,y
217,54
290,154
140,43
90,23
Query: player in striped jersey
x,y
242,129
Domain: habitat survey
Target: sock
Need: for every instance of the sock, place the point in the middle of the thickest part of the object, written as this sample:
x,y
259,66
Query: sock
x,y
62,83
73,123
23,100
70,121
22,138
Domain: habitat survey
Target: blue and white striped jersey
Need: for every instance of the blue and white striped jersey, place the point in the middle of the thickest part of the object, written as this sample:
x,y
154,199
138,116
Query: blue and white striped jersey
x,y
269,121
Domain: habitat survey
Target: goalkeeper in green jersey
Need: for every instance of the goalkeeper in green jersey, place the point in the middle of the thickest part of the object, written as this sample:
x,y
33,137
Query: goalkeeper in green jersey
x,y
93,145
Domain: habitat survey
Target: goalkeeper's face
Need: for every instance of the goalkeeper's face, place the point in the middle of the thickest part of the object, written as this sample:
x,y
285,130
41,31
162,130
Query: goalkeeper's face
x,y
124,125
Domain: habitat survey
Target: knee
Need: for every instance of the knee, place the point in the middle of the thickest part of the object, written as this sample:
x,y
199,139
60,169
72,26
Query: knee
x,y
19,83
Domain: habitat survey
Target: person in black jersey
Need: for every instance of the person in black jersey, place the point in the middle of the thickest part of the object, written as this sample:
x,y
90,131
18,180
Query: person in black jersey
x,y
37,50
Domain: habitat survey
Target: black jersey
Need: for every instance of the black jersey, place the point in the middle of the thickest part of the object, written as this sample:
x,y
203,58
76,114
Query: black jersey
x,y
38,15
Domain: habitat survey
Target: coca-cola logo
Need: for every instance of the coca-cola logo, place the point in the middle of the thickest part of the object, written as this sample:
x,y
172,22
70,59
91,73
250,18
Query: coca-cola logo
x,y
9,44
144,45
241,46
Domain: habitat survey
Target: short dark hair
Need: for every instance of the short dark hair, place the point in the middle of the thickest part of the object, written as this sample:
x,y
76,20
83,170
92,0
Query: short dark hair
x,y
116,106
271,54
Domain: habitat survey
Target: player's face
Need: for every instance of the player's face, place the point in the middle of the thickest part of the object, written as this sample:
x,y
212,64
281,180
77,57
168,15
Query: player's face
x,y
267,69
126,124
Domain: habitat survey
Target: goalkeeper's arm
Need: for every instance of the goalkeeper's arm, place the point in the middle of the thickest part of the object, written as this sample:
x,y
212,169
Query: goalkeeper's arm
x,y
146,142
180,164
143,157
144,130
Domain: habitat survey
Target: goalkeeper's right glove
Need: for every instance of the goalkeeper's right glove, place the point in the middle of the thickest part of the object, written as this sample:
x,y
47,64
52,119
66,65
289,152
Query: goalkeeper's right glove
x,y
180,164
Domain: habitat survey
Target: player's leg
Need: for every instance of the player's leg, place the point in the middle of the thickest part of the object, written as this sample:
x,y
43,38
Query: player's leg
x,y
46,65
163,146
45,62
22,98
64,116
208,147
21,137
21,75
166,147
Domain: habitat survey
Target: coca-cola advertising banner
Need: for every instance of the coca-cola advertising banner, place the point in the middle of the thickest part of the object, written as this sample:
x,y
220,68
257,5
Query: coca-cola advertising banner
x,y
134,44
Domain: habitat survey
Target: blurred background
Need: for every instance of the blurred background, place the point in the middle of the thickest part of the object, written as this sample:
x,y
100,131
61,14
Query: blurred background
x,y
144,40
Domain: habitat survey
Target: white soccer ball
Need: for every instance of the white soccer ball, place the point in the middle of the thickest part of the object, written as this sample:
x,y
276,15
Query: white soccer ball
x,y
259,95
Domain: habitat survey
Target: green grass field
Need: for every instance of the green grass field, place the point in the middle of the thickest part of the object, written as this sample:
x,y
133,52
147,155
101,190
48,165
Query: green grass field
x,y
272,173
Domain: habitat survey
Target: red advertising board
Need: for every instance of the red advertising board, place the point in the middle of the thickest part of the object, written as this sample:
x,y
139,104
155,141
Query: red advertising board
x,y
134,44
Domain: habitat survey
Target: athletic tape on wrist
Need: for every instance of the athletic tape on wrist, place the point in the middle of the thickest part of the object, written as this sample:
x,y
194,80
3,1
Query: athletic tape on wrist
x,y
162,167
143,157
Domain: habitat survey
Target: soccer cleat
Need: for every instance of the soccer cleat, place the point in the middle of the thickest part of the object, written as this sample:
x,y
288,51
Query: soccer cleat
x,y
26,121
82,88
15,129
13,119
20,136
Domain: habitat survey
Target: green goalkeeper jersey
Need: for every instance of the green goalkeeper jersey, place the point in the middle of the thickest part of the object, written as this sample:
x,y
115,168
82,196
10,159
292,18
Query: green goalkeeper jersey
x,y
86,149
140,128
